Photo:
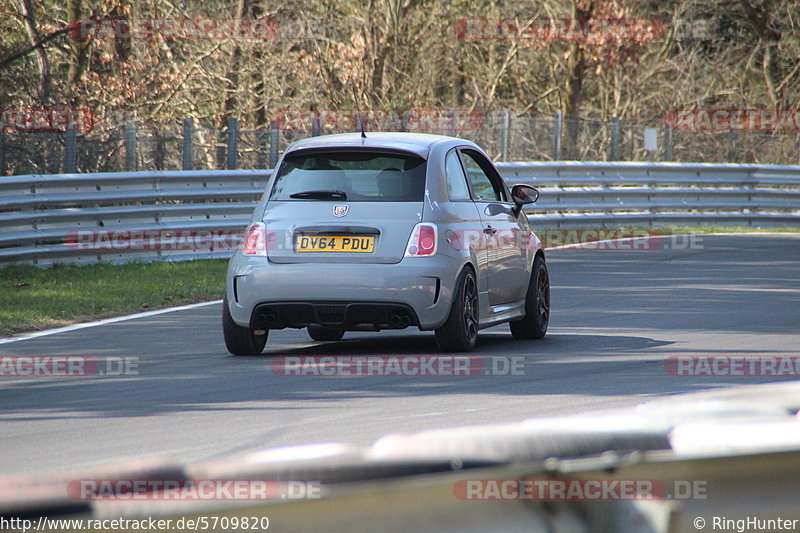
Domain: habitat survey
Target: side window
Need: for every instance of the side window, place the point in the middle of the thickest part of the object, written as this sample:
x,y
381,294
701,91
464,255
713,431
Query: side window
x,y
482,185
456,181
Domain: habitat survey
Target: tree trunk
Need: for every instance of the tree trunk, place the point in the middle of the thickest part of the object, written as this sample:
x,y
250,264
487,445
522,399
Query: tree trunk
x,y
232,101
80,48
260,112
573,90
41,54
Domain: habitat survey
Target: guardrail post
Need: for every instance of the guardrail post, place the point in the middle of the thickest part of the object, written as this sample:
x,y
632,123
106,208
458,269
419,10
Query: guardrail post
x,y
233,141
451,123
505,125
667,143
613,146
732,149
2,148
274,140
186,150
359,123
558,126
70,150
130,145
262,151
316,127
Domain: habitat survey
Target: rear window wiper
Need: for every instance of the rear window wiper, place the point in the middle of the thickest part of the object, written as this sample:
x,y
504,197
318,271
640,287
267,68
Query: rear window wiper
x,y
320,195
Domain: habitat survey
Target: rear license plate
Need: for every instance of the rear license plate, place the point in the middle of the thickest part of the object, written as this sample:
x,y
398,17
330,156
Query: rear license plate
x,y
335,243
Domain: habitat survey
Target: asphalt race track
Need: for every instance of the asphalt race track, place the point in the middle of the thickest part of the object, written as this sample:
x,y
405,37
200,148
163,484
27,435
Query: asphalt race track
x,y
617,315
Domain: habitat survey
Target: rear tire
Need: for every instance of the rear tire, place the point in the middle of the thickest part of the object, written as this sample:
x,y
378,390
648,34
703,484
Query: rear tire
x,y
537,305
239,340
460,332
322,333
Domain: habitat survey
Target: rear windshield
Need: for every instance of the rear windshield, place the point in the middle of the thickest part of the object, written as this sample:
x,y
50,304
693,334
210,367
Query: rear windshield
x,y
364,176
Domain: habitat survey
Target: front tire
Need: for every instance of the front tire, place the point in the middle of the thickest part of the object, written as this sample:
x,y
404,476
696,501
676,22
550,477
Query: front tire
x,y
239,340
321,333
537,304
460,332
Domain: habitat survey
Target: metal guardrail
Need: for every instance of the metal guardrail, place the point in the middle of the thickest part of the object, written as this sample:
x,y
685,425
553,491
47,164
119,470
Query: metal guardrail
x,y
43,218
649,194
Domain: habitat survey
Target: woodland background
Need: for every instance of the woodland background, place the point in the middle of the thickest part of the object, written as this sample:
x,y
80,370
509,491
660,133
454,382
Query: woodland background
x,y
400,55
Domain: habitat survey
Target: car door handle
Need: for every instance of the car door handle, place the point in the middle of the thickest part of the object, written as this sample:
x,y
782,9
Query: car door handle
x,y
489,230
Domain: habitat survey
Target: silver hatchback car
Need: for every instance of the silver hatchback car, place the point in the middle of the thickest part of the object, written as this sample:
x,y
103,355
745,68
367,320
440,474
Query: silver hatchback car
x,y
386,231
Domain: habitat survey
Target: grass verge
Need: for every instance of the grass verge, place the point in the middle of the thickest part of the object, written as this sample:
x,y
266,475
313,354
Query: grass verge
x,y
33,298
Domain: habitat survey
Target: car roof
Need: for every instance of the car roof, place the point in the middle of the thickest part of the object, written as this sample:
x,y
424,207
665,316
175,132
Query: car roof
x,y
417,143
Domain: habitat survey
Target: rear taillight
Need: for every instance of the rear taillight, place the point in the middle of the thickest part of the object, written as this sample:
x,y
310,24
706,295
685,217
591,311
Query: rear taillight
x,y
424,240
255,239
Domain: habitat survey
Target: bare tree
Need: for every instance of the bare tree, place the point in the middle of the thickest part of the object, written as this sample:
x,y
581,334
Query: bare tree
x,y
43,61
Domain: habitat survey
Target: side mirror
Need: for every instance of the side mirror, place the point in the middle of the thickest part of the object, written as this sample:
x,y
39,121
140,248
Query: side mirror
x,y
523,195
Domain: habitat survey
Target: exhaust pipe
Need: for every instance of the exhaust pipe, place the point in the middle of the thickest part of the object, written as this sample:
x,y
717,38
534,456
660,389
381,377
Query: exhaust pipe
x,y
400,321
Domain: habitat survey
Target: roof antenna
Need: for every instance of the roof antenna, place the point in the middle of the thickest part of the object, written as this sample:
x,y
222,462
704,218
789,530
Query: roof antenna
x,y
360,119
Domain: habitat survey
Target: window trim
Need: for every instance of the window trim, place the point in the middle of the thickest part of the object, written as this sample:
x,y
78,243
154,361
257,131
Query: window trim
x,y
463,174
493,176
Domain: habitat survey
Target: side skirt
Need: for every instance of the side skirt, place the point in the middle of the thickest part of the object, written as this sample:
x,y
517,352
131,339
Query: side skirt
x,y
503,313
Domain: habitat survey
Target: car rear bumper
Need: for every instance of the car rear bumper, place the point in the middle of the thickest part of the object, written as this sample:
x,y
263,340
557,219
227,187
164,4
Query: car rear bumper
x,y
416,291
340,315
